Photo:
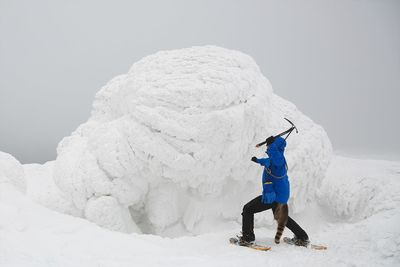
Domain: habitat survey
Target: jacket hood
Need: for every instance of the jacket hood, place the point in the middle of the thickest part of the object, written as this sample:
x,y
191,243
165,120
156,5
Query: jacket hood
x,y
276,149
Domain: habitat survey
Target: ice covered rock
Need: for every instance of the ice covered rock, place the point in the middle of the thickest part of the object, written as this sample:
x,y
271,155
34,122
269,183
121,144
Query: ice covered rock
x,y
171,142
12,172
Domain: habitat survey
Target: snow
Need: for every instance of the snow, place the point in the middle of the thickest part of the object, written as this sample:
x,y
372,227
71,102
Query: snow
x,y
12,172
166,153
171,142
42,189
32,235
354,189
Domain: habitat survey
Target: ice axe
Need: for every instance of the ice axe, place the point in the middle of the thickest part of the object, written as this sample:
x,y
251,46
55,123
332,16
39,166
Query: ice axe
x,y
271,139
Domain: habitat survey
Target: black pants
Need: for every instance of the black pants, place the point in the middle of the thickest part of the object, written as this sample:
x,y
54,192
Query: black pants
x,y
255,206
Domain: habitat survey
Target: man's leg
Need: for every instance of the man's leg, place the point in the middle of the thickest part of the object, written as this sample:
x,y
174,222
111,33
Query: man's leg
x,y
296,229
293,226
253,206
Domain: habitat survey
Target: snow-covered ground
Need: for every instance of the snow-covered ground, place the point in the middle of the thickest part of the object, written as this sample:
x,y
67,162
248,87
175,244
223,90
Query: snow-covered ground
x,y
32,235
159,173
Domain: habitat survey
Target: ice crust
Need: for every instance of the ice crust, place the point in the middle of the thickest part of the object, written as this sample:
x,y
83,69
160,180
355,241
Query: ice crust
x,y
168,145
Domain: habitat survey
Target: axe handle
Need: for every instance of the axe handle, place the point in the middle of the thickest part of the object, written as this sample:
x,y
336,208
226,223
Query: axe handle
x,y
282,133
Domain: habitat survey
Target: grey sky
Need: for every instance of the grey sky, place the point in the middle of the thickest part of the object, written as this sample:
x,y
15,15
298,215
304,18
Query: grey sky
x,y
338,61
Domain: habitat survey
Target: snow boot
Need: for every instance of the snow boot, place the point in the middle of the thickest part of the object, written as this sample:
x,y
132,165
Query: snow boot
x,y
246,239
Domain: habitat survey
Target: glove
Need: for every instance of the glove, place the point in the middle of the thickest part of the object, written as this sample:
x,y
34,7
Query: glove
x,y
268,198
254,159
270,140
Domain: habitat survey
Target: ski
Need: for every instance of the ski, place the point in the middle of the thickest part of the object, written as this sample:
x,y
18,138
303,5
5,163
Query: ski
x,y
289,241
235,241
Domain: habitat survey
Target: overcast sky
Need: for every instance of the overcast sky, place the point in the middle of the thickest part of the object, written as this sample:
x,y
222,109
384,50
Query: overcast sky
x,y
338,61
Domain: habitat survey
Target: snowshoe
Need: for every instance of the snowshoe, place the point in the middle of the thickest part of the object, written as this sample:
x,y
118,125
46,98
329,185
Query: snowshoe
x,y
297,241
303,243
247,241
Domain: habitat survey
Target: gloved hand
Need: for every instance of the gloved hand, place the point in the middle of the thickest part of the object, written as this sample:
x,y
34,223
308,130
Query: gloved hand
x,y
270,140
254,159
268,198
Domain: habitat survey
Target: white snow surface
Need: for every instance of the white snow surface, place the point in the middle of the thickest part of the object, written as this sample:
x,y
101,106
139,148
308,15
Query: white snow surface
x,y
32,235
168,145
12,172
354,190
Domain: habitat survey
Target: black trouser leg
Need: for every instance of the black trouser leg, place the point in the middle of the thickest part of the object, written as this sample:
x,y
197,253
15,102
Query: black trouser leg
x,y
294,227
255,206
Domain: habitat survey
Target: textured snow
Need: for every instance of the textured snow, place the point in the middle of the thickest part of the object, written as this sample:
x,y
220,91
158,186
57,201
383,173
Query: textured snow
x,y
355,189
169,143
31,235
42,189
12,172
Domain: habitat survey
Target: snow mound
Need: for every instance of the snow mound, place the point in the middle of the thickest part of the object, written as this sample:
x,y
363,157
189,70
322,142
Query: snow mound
x,y
355,189
12,172
42,189
168,145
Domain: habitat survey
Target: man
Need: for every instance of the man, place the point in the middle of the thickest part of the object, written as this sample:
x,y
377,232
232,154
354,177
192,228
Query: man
x,y
276,192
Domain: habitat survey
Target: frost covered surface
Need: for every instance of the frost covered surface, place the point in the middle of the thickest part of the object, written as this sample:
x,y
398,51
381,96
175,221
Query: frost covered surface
x,y
31,235
42,189
12,172
355,189
167,147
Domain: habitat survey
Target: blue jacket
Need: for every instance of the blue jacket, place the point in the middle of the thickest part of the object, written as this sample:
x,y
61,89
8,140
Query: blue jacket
x,y
275,181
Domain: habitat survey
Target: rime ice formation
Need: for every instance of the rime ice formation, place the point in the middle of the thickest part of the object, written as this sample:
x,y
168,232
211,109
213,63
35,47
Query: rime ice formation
x,y
355,189
168,145
42,189
12,172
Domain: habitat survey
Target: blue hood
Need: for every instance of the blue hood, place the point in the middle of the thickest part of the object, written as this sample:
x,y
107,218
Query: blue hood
x,y
275,151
